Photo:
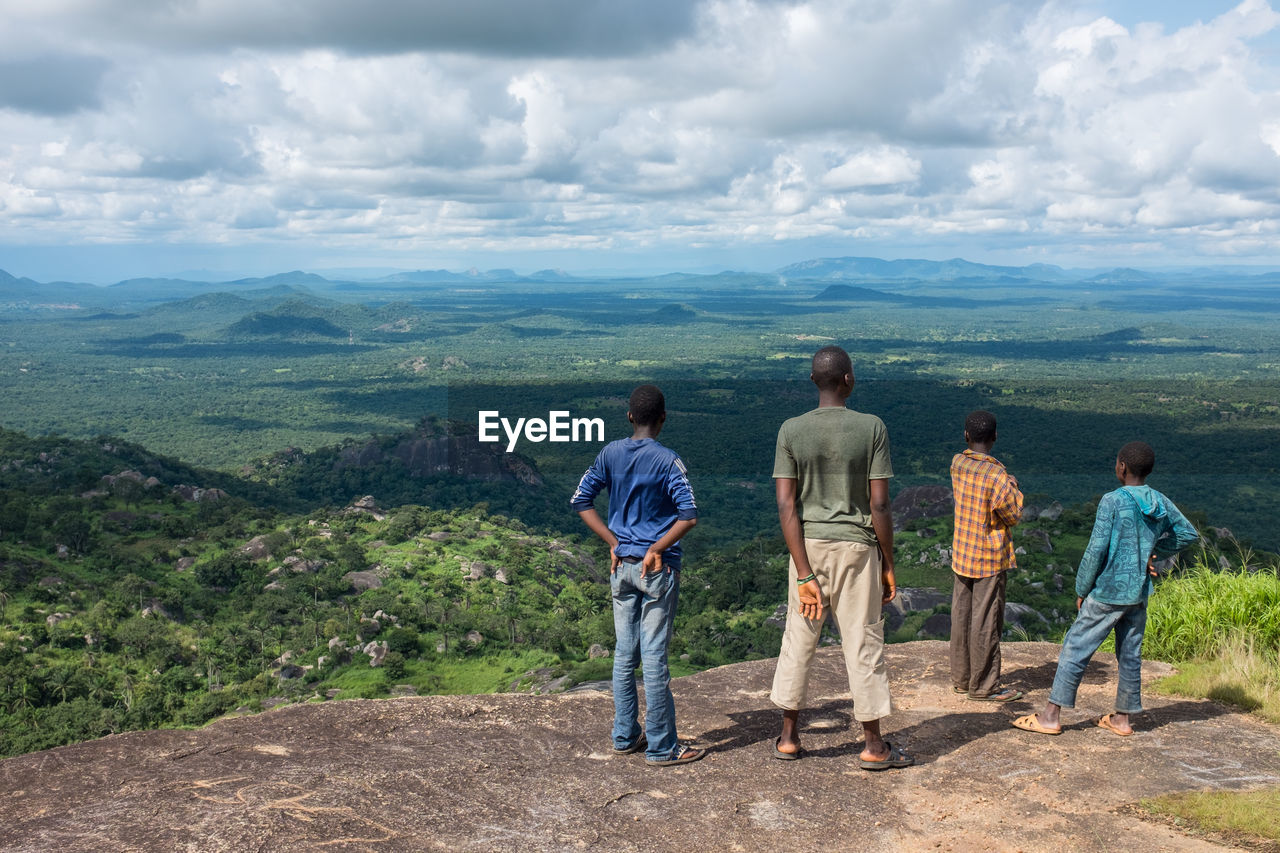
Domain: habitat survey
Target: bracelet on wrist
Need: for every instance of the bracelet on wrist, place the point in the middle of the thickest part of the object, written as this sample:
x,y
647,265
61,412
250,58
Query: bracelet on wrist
x,y
803,581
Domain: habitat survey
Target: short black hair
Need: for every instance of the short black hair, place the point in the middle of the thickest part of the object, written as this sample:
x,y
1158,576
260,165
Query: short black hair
x,y
1138,457
981,426
647,405
830,364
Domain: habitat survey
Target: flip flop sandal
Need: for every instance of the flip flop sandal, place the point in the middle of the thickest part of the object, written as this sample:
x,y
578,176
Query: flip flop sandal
x,y
1031,723
1004,694
785,756
1105,723
897,758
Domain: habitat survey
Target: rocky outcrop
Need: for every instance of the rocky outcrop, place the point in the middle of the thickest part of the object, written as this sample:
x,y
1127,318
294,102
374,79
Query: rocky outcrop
x,y
199,495
363,580
921,502
436,448
537,773
366,505
256,549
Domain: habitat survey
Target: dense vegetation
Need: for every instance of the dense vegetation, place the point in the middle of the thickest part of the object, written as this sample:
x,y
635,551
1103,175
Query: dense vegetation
x,y
134,594
126,602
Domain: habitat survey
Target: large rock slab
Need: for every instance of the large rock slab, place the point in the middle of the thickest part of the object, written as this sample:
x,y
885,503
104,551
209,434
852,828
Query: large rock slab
x,y
535,773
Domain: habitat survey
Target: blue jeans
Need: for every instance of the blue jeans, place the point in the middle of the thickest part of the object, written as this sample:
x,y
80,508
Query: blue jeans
x,y
1086,634
643,609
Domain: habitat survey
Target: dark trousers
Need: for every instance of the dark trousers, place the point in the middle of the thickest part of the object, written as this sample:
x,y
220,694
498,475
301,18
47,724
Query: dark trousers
x,y
977,620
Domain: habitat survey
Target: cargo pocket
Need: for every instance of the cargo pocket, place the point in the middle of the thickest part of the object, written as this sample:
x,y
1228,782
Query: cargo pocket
x,y
871,655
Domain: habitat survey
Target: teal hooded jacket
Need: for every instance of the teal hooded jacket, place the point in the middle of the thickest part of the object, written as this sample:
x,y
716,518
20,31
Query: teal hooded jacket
x,y
1133,523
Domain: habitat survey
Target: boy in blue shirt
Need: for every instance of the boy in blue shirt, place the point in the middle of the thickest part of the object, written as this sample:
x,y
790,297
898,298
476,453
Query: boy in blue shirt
x,y
651,507
1135,525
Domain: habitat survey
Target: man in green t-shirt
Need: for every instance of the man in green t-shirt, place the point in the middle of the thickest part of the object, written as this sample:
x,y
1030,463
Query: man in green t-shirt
x,y
831,472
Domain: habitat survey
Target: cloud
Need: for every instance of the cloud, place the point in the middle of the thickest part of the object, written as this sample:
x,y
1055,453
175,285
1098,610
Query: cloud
x,y
51,85
627,126
531,28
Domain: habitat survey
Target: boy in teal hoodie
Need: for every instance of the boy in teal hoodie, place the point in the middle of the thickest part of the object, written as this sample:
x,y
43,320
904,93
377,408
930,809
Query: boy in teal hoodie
x,y
1135,525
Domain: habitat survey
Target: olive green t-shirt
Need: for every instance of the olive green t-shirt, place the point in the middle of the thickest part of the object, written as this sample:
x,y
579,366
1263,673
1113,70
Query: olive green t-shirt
x,y
833,453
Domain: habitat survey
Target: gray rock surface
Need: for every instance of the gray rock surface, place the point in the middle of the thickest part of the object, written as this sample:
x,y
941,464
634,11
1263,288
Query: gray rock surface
x,y
536,773
363,580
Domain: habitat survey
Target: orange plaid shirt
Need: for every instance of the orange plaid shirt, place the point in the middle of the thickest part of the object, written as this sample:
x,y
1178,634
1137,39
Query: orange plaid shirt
x,y
988,505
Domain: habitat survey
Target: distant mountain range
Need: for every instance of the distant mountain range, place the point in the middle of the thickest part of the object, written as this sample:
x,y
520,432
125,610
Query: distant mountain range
x,y
139,292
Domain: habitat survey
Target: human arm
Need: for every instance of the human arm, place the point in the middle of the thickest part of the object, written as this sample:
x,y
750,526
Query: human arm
x,y
599,528
653,556
1095,553
583,501
681,495
1006,501
882,523
1180,534
793,534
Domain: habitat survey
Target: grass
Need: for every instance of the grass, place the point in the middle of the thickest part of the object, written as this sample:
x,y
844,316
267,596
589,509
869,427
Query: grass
x,y
1239,673
1222,630
1239,816
1193,615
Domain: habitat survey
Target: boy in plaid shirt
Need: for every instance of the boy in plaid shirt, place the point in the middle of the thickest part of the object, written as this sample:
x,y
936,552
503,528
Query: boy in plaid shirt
x,y
988,505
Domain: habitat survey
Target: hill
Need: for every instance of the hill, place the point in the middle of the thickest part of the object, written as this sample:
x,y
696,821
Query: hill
x,y
535,774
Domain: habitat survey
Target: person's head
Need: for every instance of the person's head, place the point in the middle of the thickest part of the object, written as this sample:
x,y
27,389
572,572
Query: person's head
x,y
647,407
1136,459
980,428
830,367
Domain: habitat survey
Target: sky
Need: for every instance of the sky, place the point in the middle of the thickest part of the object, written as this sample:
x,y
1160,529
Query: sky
x,y
246,137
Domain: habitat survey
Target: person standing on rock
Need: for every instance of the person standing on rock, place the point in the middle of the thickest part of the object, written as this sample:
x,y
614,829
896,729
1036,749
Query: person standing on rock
x,y
1135,525
988,504
831,475
651,507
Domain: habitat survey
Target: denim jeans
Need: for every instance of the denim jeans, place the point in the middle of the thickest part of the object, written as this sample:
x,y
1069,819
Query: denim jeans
x,y
644,606
1086,634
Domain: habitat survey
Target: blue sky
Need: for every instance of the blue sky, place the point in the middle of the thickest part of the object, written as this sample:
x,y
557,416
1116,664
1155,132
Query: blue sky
x,y
253,136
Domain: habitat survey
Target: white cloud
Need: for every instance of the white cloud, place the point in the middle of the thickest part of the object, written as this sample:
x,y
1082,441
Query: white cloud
x,y
880,166
559,124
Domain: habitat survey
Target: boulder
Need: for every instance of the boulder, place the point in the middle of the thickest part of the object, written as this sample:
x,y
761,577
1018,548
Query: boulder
x,y
440,536
1040,538
1021,614
779,617
288,671
184,563
1052,512
936,626
367,506
474,638
376,652
500,576
921,502
598,651
256,549
363,580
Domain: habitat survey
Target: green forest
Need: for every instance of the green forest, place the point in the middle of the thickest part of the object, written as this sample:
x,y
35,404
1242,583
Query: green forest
x,y
217,499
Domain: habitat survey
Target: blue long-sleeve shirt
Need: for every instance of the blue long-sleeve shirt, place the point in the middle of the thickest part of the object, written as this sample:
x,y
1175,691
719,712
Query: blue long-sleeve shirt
x,y
648,489
1133,523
